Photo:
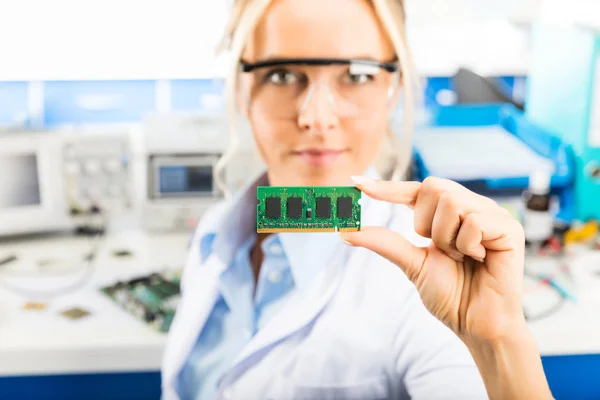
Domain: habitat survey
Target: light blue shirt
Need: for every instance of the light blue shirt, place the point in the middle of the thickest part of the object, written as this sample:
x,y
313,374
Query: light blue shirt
x,y
240,311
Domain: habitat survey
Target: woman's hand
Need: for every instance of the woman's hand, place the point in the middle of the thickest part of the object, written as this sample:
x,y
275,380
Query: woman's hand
x,y
470,275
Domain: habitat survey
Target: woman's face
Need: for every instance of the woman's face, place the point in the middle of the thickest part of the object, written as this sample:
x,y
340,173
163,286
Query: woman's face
x,y
319,145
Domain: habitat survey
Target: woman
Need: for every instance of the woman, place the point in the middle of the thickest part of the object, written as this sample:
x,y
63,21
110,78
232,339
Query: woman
x,y
311,316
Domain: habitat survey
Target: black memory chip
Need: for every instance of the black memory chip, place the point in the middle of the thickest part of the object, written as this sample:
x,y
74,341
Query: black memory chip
x,y
323,207
344,207
294,207
273,206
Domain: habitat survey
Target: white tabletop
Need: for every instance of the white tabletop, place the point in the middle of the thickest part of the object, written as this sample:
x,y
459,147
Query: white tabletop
x,y
110,340
575,328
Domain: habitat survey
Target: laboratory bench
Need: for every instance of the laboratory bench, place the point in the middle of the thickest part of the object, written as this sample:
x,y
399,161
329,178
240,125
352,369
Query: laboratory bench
x,y
109,354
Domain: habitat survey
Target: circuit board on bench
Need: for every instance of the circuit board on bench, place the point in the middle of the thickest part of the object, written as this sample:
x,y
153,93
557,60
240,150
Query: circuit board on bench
x,y
152,299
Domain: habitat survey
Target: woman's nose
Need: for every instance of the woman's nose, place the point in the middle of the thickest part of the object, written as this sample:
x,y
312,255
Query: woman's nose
x,y
318,113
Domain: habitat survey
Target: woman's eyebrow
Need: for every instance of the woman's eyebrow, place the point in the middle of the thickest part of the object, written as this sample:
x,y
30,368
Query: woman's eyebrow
x,y
368,57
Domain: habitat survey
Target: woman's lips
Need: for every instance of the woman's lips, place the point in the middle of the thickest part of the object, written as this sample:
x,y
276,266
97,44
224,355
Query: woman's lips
x,y
319,157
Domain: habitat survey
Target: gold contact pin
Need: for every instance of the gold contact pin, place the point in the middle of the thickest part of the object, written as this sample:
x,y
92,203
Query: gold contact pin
x,y
277,230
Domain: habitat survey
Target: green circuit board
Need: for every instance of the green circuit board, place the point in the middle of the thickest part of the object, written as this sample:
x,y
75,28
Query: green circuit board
x,y
152,299
308,209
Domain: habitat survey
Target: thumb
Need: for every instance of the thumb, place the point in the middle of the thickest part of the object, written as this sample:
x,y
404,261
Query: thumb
x,y
391,245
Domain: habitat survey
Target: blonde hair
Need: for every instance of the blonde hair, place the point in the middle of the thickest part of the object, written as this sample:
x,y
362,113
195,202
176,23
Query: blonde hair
x,y
243,20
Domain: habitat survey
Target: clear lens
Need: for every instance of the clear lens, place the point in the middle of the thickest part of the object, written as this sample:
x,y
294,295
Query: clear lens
x,y
352,91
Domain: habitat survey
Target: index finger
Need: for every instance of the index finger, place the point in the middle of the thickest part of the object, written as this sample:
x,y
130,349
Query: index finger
x,y
393,192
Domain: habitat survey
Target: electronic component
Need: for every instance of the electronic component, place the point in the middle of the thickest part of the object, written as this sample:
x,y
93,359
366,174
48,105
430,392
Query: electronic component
x,y
294,207
34,306
273,207
581,233
7,260
75,313
323,207
344,207
181,151
153,299
122,253
180,190
33,196
97,173
57,181
290,209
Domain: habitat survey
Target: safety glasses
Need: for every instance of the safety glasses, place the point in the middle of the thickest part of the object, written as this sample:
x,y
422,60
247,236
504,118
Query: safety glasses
x,y
352,88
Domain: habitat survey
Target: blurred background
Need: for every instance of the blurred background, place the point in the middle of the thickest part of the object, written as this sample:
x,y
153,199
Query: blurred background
x,y
112,120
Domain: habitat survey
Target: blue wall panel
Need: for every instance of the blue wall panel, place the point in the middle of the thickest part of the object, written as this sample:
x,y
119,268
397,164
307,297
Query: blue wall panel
x,y
81,102
197,95
13,102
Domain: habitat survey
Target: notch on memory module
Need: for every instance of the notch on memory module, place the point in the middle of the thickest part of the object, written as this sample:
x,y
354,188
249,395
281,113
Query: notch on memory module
x,y
308,209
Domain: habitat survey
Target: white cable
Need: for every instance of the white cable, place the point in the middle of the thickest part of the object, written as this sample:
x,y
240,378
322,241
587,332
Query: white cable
x,y
86,265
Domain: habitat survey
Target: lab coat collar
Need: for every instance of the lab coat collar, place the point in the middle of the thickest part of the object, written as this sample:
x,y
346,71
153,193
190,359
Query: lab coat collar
x,y
201,285
238,224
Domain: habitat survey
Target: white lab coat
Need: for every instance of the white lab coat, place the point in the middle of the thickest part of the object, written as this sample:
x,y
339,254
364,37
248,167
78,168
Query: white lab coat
x,y
358,331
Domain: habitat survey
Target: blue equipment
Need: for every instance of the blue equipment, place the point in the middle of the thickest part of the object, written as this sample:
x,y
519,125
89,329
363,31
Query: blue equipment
x,y
564,95
490,120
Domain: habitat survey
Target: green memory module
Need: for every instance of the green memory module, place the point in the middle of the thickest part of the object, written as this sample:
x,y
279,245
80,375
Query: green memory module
x,y
308,209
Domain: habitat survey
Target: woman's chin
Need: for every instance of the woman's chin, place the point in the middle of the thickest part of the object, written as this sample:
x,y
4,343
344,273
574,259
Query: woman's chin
x,y
323,176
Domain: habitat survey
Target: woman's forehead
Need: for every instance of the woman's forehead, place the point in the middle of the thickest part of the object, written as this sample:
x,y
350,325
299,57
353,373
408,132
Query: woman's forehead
x,y
319,28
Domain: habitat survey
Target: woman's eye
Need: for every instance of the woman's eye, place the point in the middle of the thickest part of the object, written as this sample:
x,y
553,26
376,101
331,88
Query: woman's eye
x,y
360,78
281,77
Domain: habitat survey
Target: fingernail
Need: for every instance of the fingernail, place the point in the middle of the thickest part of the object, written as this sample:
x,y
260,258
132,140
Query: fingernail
x,y
481,260
363,181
